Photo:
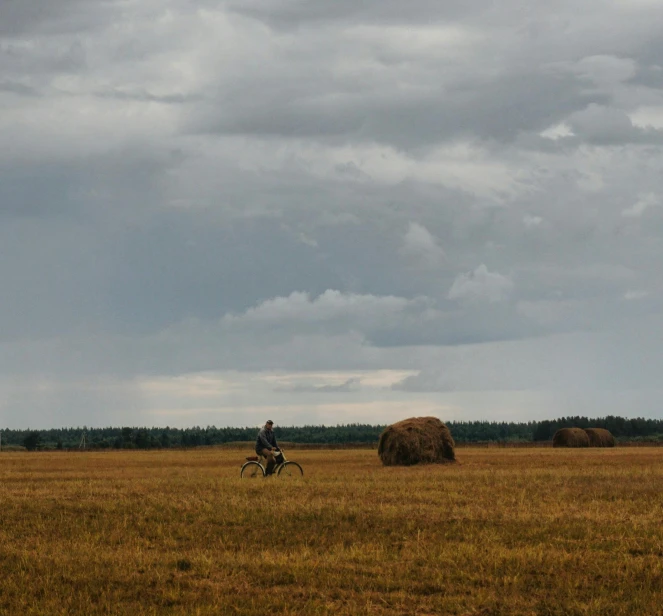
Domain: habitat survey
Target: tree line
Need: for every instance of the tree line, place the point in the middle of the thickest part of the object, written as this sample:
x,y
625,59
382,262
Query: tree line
x,y
463,432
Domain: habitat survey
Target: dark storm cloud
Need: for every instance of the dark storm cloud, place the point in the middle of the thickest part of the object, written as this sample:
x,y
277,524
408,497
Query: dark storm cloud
x,y
499,110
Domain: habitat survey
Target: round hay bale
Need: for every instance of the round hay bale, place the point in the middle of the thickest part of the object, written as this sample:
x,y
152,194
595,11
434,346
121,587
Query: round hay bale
x,y
600,437
570,437
418,440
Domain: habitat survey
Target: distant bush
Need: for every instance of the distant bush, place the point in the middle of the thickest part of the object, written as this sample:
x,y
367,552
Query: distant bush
x,y
652,438
32,441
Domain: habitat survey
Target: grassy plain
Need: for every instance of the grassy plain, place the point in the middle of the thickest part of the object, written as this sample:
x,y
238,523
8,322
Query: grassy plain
x,y
507,531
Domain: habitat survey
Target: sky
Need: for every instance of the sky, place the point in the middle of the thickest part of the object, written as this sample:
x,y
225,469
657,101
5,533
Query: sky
x,y
214,213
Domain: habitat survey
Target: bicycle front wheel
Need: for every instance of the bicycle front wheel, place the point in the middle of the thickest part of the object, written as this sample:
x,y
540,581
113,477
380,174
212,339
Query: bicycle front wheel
x,y
252,470
291,469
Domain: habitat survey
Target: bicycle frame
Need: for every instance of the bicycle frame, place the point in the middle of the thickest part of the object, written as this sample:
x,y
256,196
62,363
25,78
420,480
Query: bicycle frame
x,y
260,459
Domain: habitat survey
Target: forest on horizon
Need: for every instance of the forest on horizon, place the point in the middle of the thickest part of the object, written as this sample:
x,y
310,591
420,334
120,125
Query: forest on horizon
x,y
624,429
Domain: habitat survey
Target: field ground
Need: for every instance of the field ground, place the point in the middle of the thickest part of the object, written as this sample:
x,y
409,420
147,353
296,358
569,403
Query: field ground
x,y
506,531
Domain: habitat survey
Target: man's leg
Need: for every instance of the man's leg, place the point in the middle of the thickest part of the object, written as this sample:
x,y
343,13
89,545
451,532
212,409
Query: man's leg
x,y
271,462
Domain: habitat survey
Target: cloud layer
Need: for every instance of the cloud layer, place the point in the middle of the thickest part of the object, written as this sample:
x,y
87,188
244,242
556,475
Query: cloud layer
x,y
265,188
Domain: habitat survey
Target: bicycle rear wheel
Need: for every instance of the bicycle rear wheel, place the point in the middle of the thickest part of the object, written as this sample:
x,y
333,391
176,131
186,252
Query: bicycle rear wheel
x,y
252,470
291,469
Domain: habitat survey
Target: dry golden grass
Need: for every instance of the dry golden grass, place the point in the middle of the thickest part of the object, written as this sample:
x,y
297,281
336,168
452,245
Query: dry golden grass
x,y
511,531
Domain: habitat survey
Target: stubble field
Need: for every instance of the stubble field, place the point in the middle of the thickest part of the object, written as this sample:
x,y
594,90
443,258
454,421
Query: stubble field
x,y
506,531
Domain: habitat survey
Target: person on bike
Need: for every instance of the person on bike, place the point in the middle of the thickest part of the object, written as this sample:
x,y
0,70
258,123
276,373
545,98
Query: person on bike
x,y
266,445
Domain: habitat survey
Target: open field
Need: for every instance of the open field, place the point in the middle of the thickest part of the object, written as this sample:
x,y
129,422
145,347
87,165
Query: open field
x,y
506,531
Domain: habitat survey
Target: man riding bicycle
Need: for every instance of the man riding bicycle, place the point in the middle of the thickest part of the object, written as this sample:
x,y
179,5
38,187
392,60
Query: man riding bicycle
x,y
266,445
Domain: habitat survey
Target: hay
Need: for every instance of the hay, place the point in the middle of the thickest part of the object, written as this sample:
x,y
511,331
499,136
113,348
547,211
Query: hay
x,y
570,437
600,437
418,440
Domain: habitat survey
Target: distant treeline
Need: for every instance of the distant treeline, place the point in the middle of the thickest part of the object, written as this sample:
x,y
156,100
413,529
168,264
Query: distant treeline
x,y
462,431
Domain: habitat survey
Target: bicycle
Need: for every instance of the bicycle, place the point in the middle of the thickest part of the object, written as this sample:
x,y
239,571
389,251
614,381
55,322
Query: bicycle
x,y
253,467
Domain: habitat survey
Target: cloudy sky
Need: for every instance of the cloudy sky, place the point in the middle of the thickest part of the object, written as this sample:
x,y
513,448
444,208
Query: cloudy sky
x,y
216,212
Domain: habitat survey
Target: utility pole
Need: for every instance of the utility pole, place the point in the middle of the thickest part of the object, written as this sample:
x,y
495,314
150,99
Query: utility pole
x,y
82,443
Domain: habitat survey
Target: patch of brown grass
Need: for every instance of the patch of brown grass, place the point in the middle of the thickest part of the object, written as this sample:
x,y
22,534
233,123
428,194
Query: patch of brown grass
x,y
506,531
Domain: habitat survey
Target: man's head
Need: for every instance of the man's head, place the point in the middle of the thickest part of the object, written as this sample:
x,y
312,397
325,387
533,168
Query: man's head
x,y
269,424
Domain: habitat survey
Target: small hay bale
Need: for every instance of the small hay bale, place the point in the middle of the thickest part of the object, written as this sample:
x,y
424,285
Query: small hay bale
x,y
600,437
418,440
570,437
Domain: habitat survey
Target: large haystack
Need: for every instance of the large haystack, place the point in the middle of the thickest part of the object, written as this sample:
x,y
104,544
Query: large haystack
x,y
418,440
600,437
570,437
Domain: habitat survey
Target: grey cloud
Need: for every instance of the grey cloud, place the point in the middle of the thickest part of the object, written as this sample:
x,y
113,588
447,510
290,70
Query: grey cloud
x,y
108,184
307,195
421,247
350,385
608,126
644,202
449,98
350,169
40,402
481,285
295,332
35,64
570,362
288,15
405,340
55,17
154,266
499,110
650,76
16,87
142,95
605,70
52,278
37,191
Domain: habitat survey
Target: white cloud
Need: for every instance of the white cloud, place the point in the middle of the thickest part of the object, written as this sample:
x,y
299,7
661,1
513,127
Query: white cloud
x,y
481,285
648,116
557,132
606,69
532,221
635,295
420,245
300,307
644,202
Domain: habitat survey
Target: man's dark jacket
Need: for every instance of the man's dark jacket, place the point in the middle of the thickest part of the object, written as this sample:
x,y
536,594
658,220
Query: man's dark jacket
x,y
266,440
